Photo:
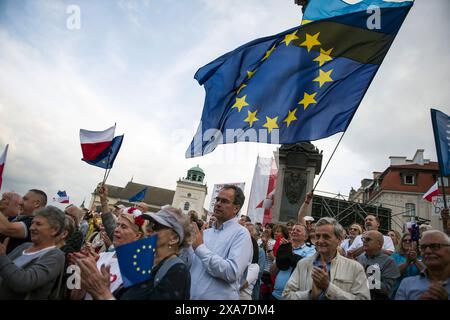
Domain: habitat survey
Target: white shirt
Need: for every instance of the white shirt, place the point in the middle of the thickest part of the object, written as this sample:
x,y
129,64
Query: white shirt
x,y
252,276
107,258
387,244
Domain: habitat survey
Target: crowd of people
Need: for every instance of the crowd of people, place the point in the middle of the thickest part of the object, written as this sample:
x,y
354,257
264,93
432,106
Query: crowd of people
x,y
227,257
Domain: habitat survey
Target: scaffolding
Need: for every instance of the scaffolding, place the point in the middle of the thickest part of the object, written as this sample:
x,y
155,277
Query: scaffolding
x,y
348,212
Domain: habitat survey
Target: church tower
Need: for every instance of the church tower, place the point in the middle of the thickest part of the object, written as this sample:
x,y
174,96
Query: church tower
x,y
191,191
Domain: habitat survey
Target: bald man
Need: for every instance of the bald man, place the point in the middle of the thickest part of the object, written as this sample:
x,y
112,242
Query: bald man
x,y
381,269
18,229
10,204
434,282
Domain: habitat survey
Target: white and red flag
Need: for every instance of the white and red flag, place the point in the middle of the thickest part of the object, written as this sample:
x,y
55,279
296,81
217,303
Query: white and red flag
x,y
94,143
2,164
433,191
263,190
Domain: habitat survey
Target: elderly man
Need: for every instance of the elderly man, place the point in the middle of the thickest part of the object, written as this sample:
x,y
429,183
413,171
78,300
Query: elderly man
x,y
223,252
18,228
10,205
434,282
381,269
298,236
371,222
327,275
78,216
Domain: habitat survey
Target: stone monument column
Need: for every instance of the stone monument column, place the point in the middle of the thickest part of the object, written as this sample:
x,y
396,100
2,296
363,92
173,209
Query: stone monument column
x,y
297,166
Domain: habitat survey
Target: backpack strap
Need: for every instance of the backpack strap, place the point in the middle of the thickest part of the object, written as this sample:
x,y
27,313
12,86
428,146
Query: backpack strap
x,y
164,268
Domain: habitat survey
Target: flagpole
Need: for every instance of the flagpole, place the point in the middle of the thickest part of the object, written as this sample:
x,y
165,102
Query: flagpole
x,y
109,159
444,216
323,171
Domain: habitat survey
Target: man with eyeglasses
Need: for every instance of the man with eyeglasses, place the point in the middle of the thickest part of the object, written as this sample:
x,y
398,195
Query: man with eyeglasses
x,y
381,269
221,253
433,283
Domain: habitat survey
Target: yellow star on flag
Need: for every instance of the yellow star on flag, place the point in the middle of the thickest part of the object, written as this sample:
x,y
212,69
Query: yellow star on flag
x,y
271,123
291,117
241,87
311,41
250,74
251,117
307,99
240,103
323,57
268,53
324,77
290,37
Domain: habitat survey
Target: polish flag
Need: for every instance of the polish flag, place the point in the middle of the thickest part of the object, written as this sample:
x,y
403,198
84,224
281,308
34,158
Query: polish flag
x,y
2,164
93,143
263,190
434,191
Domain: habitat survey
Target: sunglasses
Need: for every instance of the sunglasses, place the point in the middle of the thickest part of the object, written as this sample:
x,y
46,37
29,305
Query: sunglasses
x,y
353,229
407,240
433,246
156,226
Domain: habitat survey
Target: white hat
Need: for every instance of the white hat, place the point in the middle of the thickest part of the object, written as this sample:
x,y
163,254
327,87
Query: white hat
x,y
309,218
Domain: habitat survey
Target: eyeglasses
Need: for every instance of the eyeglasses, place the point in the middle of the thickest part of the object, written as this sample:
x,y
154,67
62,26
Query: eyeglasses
x,y
353,229
433,246
407,240
222,200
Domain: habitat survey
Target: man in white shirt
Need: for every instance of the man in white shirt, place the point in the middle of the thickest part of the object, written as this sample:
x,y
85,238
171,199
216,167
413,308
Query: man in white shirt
x,y
221,253
371,223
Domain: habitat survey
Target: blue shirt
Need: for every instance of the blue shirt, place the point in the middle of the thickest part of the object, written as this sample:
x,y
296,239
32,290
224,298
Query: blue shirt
x,y
280,282
305,251
219,263
412,288
411,270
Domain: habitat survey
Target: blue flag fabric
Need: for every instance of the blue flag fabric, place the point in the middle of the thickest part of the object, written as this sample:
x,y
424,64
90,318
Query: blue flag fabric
x,y
106,159
303,84
441,129
138,196
136,260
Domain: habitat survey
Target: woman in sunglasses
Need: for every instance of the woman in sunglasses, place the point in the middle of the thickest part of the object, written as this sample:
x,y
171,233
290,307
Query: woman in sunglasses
x,y
173,230
354,231
407,259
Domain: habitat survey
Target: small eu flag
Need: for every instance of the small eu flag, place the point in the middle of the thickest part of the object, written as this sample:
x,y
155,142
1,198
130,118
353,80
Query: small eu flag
x,y
138,196
136,260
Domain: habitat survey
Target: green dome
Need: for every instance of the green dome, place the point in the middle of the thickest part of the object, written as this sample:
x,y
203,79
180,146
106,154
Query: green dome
x,y
195,174
197,169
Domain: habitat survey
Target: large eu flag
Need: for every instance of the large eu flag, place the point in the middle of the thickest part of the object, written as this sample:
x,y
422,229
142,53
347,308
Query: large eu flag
x,y
441,129
136,260
303,84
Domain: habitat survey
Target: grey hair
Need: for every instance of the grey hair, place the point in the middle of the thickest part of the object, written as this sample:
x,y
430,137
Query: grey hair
x,y
434,231
55,217
337,228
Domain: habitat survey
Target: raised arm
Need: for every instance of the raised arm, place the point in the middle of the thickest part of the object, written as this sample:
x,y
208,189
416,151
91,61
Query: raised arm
x,y
304,208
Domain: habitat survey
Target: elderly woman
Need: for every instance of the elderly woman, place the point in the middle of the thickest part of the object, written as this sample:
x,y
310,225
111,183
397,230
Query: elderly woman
x,y
173,231
407,259
31,270
354,231
129,228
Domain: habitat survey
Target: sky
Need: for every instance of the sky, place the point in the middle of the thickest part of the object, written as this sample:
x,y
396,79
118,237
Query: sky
x,y
133,63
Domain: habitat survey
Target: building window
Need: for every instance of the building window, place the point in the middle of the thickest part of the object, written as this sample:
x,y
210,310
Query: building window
x,y
186,206
440,182
409,179
410,209
189,195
